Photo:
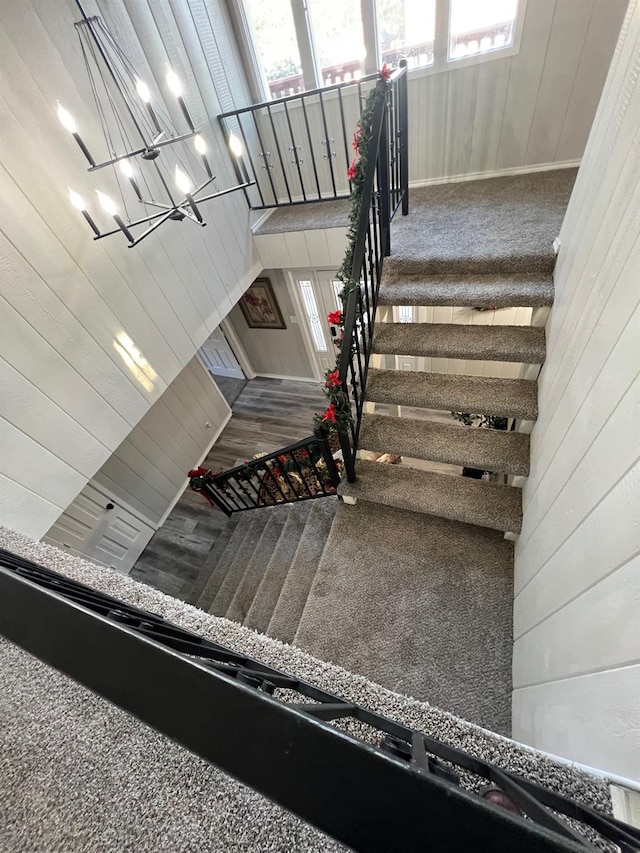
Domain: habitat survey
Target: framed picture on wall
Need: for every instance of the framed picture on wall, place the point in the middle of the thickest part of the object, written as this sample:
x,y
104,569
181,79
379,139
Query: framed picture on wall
x,y
260,306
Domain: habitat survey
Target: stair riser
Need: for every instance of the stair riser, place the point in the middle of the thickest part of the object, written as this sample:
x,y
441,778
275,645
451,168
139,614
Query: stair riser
x,y
435,453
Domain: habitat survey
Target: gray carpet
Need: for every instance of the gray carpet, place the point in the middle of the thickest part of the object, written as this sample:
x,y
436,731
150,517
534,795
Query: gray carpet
x,y
499,225
443,340
77,774
302,217
474,291
507,398
486,449
419,604
456,498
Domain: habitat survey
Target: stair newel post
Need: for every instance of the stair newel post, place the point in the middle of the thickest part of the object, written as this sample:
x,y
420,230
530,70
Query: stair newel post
x,y
384,182
327,455
403,118
209,489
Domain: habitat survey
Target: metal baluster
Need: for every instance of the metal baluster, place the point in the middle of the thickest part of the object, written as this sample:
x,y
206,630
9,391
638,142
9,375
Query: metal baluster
x,y
288,479
330,462
296,160
275,479
313,158
238,481
277,141
262,152
327,140
404,138
216,497
232,495
344,131
305,484
252,164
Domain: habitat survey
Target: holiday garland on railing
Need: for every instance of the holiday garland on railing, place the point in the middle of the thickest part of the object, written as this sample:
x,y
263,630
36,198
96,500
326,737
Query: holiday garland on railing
x,y
338,411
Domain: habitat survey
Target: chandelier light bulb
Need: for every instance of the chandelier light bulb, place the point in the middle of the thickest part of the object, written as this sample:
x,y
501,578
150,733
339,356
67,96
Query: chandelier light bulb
x,y
143,91
183,181
107,203
76,200
200,144
66,119
173,82
235,145
126,169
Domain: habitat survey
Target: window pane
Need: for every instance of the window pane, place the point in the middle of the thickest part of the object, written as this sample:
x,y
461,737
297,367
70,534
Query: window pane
x,y
311,307
337,35
274,39
405,314
406,29
481,27
338,287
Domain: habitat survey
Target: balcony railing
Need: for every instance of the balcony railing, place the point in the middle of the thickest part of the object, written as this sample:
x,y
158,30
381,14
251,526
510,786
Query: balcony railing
x,y
401,790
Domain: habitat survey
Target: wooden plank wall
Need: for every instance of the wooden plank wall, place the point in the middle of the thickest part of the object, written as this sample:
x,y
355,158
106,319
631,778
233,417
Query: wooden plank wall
x,y
577,575
70,399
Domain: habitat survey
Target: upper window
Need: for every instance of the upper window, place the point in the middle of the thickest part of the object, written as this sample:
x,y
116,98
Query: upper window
x,y
308,44
481,27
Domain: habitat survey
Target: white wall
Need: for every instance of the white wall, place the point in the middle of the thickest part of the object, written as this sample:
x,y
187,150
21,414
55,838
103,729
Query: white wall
x,y
577,575
275,352
69,399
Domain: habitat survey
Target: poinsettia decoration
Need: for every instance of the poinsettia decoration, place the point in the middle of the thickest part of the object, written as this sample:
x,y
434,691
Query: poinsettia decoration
x,y
335,317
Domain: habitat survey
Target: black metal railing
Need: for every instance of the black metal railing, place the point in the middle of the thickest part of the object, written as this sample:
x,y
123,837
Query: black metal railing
x,y
294,742
298,472
298,148
385,188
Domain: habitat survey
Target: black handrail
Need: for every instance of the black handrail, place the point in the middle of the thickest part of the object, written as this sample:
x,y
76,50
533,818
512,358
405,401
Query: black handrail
x,y
385,188
301,471
400,792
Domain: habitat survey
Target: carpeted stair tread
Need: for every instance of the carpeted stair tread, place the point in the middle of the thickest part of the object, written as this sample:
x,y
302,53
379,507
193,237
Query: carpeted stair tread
x,y
267,594
483,395
198,587
295,589
241,601
221,557
450,340
502,225
238,565
480,291
457,498
455,444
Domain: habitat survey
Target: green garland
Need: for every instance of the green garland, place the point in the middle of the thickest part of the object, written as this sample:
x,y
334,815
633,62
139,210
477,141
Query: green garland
x,y
338,411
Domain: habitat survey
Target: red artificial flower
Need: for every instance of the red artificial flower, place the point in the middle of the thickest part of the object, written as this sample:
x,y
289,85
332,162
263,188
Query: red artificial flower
x,y
304,454
330,414
335,317
385,72
351,171
197,472
333,379
282,459
356,139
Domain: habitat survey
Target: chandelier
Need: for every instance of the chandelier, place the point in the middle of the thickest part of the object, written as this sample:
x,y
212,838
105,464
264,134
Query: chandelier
x,y
153,164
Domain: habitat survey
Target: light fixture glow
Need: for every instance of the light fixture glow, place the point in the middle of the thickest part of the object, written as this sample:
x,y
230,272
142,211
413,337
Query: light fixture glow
x,y
66,119
173,82
235,145
107,203
76,200
183,181
200,144
126,168
143,91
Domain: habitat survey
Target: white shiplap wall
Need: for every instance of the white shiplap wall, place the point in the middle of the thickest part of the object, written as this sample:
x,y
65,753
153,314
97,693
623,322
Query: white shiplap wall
x,y
70,400
577,575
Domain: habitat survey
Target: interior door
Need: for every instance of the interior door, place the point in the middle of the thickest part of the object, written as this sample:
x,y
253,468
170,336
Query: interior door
x,y
98,527
217,356
311,307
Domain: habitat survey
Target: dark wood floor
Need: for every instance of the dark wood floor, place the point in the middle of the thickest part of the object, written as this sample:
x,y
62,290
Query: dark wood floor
x,y
268,414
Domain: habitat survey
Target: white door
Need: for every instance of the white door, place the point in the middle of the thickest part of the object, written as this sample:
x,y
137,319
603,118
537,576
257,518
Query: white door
x,y
217,356
99,527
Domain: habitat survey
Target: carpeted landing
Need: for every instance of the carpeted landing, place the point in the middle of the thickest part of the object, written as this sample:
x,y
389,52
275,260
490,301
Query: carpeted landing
x,y
78,774
417,603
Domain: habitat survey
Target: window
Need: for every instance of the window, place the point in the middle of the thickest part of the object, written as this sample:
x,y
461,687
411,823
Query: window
x,y
311,309
480,27
405,314
307,44
406,30
338,287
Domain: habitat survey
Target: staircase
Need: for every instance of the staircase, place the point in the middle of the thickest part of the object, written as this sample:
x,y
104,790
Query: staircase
x,y
498,254
262,568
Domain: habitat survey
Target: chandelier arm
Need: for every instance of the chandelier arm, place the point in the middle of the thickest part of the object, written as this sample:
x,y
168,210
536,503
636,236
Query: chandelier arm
x,y
227,191
138,151
89,22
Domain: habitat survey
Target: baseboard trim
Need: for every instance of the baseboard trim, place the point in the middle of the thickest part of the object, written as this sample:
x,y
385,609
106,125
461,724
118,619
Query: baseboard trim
x,y
498,173
216,436
261,219
289,378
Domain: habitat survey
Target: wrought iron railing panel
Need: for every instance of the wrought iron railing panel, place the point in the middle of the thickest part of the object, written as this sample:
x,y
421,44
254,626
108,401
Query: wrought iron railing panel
x,y
397,790
298,472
